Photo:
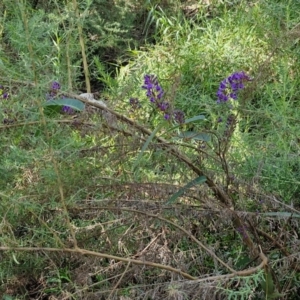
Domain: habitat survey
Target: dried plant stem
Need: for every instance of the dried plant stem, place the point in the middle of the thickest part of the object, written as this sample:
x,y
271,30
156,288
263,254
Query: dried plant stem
x,y
82,45
72,122
119,281
210,252
29,45
140,262
218,191
98,254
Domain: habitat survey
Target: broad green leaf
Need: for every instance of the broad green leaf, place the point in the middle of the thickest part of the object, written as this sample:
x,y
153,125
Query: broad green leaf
x,y
196,118
181,191
199,136
73,103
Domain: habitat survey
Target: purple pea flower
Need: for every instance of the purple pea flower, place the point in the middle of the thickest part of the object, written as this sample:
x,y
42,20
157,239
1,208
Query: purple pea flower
x,y
67,109
167,117
55,85
179,116
230,86
53,91
3,95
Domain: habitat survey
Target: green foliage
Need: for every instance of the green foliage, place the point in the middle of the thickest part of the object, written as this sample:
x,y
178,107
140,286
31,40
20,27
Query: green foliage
x,y
99,181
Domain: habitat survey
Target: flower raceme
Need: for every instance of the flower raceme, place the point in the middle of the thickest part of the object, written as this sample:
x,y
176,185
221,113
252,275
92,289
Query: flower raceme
x,y
230,86
154,90
155,94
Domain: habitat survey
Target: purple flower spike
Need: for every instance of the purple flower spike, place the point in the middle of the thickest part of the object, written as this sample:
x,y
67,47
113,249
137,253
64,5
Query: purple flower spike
x,y
154,90
155,94
229,87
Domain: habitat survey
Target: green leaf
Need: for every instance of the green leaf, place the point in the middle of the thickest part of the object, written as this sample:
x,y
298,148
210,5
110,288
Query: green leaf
x,y
268,284
199,136
281,214
181,191
145,146
73,103
196,118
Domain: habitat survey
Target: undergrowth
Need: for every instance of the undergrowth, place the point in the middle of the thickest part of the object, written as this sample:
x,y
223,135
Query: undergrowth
x,y
155,186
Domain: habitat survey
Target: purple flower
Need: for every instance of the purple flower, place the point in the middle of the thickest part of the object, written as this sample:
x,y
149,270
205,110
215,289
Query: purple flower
x,y
230,120
55,85
3,95
229,87
67,109
179,116
155,94
242,231
135,104
50,96
163,106
154,91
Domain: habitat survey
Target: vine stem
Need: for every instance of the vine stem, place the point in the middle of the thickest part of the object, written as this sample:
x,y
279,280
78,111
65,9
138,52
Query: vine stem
x,y
141,262
219,193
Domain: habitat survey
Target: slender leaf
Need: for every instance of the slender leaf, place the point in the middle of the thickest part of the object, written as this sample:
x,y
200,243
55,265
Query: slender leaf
x,y
196,118
73,103
145,146
281,214
199,136
181,191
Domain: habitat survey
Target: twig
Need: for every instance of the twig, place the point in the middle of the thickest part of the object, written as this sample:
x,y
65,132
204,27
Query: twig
x,y
119,281
218,192
98,254
146,263
173,224
82,45
73,122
